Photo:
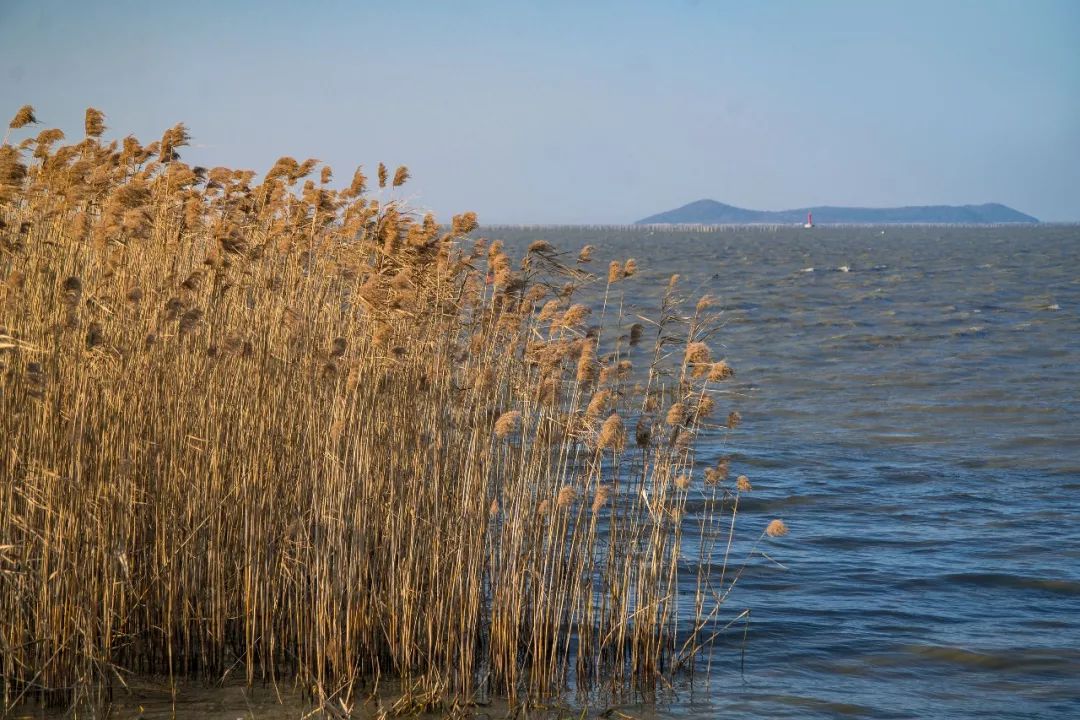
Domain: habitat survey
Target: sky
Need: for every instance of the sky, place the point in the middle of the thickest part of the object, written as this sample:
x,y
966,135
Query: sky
x,y
586,112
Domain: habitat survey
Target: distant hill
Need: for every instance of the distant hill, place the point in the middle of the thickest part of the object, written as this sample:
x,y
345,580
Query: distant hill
x,y
710,212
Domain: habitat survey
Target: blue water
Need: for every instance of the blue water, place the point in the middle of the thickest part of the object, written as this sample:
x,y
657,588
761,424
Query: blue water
x,y
915,420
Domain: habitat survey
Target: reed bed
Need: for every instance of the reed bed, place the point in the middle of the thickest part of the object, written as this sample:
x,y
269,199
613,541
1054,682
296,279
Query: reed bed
x,y
296,433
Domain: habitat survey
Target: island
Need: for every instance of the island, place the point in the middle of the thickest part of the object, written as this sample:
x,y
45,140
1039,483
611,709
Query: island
x,y
711,212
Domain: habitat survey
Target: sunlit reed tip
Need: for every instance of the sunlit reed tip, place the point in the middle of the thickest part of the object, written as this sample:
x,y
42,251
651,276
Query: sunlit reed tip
x,y
25,116
612,434
508,423
464,224
574,316
94,123
598,404
720,371
586,365
600,498
697,352
358,185
566,497
776,528
614,272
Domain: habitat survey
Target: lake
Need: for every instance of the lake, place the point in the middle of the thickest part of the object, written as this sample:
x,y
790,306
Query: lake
x,y
911,409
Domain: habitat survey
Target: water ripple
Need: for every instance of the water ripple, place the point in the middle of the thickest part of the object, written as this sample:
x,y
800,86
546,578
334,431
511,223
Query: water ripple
x,y
914,422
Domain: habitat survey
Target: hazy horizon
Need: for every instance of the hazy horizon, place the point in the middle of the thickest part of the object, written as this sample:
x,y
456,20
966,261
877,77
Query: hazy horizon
x,y
555,113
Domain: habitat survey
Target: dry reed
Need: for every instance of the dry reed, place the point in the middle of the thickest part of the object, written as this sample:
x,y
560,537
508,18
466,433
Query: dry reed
x,y
298,433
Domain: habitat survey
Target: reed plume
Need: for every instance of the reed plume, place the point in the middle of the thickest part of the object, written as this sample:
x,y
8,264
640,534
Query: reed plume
x,y
720,371
566,497
25,116
776,528
358,185
600,498
697,352
94,123
507,423
612,434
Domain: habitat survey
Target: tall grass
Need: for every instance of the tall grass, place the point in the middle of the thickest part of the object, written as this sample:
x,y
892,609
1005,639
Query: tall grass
x,y
299,434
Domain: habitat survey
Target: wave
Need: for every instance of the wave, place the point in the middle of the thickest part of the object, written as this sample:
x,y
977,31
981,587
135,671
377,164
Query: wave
x,y
1031,660
1004,580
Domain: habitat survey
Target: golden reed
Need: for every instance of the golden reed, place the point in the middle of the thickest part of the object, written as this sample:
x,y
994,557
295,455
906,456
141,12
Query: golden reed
x,y
301,433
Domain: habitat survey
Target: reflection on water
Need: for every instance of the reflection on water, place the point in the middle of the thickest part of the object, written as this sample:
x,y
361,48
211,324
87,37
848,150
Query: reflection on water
x,y
910,409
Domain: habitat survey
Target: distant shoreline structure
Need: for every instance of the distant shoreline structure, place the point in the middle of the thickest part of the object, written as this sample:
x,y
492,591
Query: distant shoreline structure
x,y
764,227
711,212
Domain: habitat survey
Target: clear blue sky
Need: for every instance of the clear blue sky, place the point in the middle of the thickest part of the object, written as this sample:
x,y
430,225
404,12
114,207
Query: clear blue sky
x,y
568,112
